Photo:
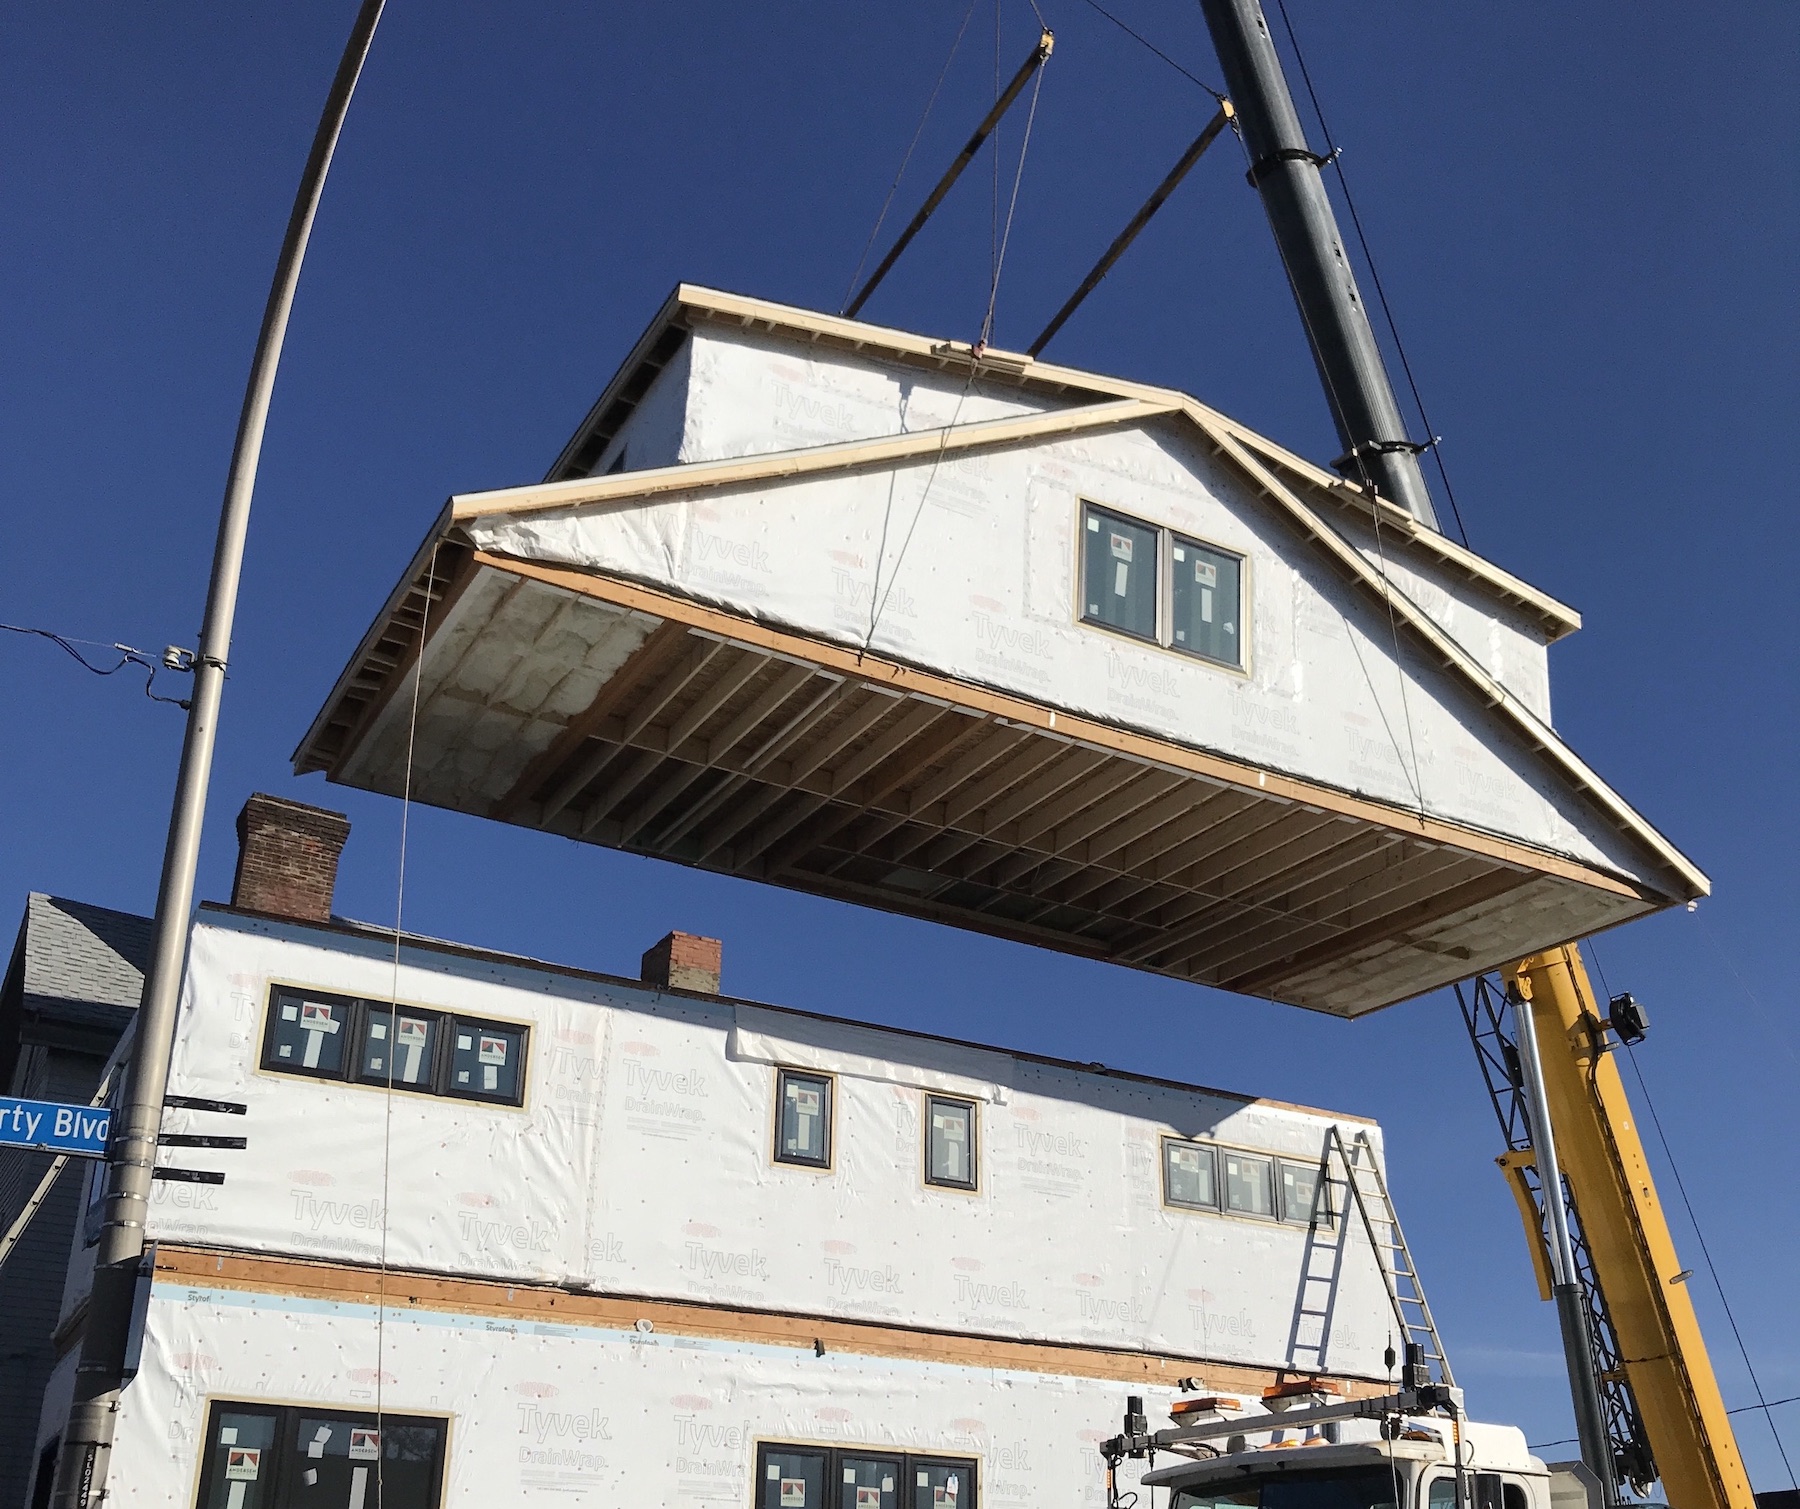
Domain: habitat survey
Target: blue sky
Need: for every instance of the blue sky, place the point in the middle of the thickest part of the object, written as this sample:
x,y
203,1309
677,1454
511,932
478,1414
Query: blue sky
x,y
1584,217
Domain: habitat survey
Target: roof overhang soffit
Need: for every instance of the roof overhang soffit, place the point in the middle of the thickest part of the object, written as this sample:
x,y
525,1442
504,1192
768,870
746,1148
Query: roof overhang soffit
x,y
1227,440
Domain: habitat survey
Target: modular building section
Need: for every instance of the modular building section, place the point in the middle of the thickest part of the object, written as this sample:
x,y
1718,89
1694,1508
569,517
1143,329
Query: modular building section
x,y
599,1236
1076,661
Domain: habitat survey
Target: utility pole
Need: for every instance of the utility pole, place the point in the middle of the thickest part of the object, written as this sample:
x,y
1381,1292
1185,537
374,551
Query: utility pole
x,y
1285,172
83,1461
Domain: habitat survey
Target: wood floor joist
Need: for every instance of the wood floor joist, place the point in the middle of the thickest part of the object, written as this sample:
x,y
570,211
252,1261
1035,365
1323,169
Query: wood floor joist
x,y
738,747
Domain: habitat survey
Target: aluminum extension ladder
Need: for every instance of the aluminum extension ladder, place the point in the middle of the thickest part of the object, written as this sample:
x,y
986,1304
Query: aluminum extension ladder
x,y
1369,1192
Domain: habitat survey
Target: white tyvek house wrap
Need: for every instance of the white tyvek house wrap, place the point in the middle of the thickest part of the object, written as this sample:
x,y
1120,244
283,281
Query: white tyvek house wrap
x,y
540,1412
972,563
641,1164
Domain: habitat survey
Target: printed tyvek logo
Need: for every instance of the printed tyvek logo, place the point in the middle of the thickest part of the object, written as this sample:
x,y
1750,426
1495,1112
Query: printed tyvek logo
x,y
647,1080
747,555
563,1425
316,1214
979,1295
991,633
704,1448
712,1263
1134,676
496,1235
847,1281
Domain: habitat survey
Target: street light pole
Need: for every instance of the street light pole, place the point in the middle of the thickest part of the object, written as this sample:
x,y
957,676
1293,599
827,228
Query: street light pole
x,y
87,1438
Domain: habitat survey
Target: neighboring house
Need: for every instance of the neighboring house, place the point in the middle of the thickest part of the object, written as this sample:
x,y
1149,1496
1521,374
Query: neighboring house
x,y
512,1233
71,987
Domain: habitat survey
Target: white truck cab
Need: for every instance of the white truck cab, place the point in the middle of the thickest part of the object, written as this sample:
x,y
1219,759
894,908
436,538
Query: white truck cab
x,y
1311,1453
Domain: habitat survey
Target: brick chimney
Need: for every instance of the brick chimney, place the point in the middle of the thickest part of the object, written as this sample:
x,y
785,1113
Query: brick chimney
x,y
683,961
288,858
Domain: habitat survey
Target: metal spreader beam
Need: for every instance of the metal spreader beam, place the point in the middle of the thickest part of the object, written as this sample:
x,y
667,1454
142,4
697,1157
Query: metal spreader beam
x,y
1039,55
1138,221
1285,171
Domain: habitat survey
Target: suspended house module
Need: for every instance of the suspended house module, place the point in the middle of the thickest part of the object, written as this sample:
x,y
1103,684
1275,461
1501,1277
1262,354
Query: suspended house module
x,y
981,639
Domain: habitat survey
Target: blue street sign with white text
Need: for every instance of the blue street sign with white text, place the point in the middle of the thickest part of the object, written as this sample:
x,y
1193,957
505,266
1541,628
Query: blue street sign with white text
x,y
54,1128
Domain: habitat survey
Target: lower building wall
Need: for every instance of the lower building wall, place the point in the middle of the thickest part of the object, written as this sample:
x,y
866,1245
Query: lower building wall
x,y
600,1408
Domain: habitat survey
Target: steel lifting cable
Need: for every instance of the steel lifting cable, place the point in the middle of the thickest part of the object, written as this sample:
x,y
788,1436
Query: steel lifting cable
x,y
1333,155
878,599
1040,53
1144,41
387,1110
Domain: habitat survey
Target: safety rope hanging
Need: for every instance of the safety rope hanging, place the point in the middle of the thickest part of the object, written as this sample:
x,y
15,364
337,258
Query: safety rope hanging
x,y
1039,54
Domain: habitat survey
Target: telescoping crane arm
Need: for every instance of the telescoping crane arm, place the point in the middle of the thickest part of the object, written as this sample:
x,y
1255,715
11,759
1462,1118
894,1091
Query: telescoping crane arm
x,y
1602,1159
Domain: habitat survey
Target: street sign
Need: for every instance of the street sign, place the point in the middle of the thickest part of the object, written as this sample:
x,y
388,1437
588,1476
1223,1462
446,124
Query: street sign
x,y
54,1128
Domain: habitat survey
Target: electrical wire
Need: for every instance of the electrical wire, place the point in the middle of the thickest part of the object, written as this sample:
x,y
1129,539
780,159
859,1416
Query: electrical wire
x,y
1333,155
1762,1402
1700,1236
912,147
1144,41
127,656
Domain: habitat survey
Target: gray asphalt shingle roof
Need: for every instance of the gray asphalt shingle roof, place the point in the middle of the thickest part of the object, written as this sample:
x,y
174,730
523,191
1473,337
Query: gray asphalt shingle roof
x,y
82,964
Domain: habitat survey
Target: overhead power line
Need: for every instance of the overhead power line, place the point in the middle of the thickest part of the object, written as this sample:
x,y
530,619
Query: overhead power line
x,y
173,659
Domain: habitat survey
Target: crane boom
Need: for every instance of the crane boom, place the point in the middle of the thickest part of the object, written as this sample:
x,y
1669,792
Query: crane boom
x,y
1602,1158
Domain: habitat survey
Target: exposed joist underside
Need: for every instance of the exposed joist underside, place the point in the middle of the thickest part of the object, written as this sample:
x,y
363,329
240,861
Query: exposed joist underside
x,y
600,710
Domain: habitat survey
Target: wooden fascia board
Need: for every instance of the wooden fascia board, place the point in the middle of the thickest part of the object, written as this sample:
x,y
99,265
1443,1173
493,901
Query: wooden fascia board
x,y
1454,657
1105,737
810,461
1557,618
646,343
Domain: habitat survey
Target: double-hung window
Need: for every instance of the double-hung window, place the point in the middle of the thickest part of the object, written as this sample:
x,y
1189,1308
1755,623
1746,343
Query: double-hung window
x,y
1162,587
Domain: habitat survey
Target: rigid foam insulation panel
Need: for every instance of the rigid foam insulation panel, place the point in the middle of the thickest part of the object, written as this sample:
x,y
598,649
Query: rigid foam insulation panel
x,y
872,681
641,1163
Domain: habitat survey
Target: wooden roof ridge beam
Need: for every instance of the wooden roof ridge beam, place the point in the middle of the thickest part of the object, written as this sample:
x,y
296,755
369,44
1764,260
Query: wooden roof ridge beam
x,y
807,461
1525,722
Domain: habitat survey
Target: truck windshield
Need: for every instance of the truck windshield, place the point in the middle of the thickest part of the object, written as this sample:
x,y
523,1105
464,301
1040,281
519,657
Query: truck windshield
x,y
1345,1488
